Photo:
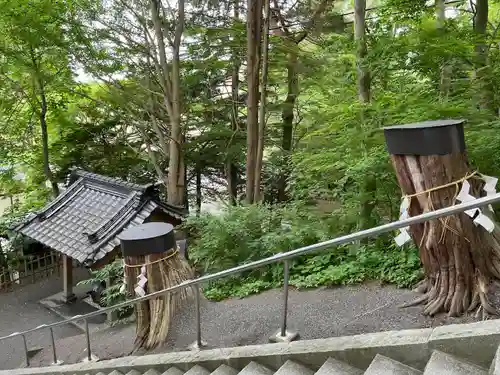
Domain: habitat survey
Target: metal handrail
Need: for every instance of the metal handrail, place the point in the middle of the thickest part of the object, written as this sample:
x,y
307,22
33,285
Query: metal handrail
x,y
280,257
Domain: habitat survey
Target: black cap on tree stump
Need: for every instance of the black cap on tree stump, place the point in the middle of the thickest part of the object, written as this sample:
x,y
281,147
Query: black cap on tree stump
x,y
459,258
149,238
438,137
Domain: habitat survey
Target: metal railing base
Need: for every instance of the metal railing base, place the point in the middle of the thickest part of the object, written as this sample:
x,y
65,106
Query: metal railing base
x,y
58,363
196,346
288,337
93,359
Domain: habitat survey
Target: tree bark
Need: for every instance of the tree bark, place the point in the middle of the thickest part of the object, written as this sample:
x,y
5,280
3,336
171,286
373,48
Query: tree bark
x,y
368,197
171,85
287,116
42,114
460,260
445,74
198,191
360,36
263,102
292,47
254,17
485,95
232,167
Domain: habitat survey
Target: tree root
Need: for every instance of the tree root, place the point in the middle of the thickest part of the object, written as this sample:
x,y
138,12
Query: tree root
x,y
448,295
422,286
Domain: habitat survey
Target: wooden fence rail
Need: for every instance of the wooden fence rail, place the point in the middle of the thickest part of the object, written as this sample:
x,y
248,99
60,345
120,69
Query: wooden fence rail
x,y
30,270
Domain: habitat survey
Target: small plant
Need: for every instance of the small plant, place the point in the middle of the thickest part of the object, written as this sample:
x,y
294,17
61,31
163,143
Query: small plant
x,y
111,275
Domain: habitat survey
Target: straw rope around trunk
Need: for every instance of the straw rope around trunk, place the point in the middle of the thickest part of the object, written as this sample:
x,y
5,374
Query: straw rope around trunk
x,y
153,317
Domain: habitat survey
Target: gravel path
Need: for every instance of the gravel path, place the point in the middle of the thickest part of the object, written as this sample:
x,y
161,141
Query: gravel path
x,y
20,310
314,314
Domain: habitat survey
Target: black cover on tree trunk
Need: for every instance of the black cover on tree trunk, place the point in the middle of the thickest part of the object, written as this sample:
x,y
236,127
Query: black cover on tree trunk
x,y
150,238
440,137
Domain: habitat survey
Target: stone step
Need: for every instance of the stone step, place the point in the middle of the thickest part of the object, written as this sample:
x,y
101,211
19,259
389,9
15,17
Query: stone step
x,y
197,370
293,368
385,366
152,371
115,372
333,366
446,364
133,372
173,371
225,370
253,368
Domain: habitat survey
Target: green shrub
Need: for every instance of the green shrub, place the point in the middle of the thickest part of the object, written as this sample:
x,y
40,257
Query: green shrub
x,y
245,234
112,275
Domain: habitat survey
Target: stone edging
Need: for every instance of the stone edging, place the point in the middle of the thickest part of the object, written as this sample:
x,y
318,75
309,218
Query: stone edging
x,y
476,342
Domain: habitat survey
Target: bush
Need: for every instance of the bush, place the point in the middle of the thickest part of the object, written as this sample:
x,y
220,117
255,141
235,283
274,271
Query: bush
x,y
245,234
112,274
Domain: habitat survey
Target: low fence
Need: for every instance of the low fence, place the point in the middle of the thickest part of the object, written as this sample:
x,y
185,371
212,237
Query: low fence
x,y
30,270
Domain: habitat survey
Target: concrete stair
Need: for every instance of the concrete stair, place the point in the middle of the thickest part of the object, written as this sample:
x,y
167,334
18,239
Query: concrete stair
x,y
439,364
446,364
470,349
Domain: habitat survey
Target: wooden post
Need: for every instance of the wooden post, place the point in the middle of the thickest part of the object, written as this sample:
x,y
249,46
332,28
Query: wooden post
x,y
68,295
460,259
33,275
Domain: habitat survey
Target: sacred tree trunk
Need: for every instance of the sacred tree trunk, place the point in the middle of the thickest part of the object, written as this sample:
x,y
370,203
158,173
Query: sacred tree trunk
x,y
152,262
460,253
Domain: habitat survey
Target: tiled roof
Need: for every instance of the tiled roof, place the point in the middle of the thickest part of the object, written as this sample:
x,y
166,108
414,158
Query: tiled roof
x,y
83,222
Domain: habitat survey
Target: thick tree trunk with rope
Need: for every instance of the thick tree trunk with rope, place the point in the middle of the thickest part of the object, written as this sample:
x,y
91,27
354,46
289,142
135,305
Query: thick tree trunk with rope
x,y
160,268
461,260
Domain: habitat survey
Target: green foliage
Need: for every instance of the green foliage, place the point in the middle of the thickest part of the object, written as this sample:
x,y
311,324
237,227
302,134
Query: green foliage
x,y
112,275
338,155
245,234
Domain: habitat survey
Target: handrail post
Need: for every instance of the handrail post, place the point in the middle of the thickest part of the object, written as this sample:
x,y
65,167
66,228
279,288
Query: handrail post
x,y
283,334
53,342
198,316
26,351
286,277
198,344
87,335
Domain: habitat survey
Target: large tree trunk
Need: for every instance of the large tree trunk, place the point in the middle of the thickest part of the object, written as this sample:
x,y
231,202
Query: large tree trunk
x,y
231,167
360,36
368,197
460,259
485,96
254,17
43,125
263,102
445,74
287,115
169,78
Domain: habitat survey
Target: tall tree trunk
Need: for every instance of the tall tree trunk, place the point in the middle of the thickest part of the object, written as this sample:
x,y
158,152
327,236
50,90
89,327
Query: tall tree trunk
x,y
360,36
485,96
42,115
254,17
292,42
198,191
232,168
263,102
287,116
45,143
368,197
170,81
445,74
